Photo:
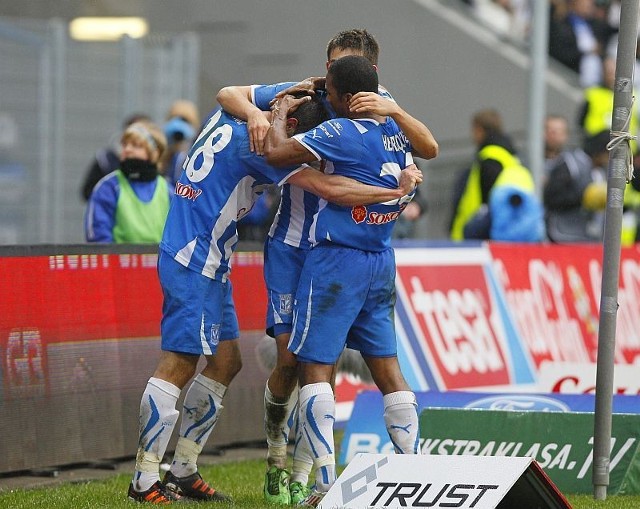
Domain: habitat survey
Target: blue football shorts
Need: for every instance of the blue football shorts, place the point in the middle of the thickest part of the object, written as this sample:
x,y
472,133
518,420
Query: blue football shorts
x,y
197,311
345,297
282,267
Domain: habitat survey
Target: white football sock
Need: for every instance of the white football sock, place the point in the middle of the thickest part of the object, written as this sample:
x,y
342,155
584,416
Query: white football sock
x,y
158,416
277,426
317,416
401,419
201,410
302,459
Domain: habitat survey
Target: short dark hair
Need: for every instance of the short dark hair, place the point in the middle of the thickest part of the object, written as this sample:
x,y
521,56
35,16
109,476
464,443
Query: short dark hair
x,y
357,39
310,114
353,74
489,119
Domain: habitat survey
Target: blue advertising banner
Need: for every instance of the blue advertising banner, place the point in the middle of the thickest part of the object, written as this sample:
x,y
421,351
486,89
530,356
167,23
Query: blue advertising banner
x,y
365,431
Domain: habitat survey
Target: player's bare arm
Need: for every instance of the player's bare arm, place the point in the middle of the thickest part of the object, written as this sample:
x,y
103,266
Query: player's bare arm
x,y
422,141
279,149
237,101
347,192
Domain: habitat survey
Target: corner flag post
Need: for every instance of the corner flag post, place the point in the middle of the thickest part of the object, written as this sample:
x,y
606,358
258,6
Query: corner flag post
x,y
619,173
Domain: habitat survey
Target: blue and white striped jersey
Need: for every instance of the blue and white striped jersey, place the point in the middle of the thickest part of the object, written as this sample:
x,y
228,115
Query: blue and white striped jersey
x,y
368,151
297,207
220,183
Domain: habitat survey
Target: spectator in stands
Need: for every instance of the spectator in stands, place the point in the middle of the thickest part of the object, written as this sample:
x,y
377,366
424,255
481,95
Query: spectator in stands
x,y
496,162
495,14
577,38
575,193
509,18
106,159
556,138
596,111
130,205
180,129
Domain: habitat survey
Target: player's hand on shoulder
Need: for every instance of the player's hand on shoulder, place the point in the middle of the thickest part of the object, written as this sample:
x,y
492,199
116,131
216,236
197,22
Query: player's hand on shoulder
x,y
372,102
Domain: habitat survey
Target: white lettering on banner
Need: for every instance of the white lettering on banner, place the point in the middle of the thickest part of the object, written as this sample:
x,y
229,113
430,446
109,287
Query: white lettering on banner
x,y
459,328
542,316
614,461
549,455
369,443
73,262
627,331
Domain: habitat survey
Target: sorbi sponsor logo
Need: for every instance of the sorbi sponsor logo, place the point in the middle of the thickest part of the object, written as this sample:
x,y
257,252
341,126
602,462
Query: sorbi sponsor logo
x,y
186,191
379,218
359,213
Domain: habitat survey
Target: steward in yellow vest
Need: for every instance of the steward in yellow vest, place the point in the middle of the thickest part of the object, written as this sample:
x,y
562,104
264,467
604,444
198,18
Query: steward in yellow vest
x,y
486,171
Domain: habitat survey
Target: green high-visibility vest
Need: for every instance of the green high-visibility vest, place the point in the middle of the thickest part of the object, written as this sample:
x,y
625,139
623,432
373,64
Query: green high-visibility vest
x,y
138,222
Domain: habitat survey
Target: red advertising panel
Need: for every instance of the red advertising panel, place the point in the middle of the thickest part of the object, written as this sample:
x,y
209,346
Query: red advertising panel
x,y
46,300
450,314
553,293
79,338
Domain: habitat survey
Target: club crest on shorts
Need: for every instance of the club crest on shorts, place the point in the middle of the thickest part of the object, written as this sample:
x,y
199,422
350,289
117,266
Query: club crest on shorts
x,y
359,213
215,334
286,304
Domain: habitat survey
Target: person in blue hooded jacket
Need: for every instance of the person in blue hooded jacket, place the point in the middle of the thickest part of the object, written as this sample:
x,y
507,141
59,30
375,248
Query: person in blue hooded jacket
x,y
130,205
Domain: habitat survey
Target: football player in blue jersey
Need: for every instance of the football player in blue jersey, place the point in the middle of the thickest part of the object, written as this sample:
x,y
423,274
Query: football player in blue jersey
x,y
346,292
285,250
220,182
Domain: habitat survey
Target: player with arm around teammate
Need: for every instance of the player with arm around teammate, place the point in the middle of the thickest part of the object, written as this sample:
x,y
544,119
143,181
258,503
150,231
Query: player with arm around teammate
x,y
286,247
221,181
346,292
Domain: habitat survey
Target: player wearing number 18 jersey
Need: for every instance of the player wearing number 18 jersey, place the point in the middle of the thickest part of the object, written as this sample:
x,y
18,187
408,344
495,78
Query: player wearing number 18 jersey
x,y
220,182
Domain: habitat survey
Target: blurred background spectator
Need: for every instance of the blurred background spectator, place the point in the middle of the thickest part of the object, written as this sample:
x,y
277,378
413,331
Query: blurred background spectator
x,y
508,18
181,126
107,159
556,139
495,159
578,38
596,110
130,205
575,192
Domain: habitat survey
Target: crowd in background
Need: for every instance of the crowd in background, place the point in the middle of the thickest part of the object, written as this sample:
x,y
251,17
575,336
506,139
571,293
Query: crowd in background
x,y
494,197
